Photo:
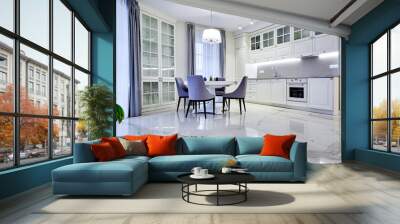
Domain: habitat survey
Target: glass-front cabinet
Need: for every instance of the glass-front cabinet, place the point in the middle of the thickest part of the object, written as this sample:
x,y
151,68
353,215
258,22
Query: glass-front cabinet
x,y
158,62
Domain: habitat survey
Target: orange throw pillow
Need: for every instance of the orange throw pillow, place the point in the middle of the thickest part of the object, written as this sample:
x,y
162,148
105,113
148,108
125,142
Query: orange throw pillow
x,y
116,145
136,137
103,152
277,145
161,145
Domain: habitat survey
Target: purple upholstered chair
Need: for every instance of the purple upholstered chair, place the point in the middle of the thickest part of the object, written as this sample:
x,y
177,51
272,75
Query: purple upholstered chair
x,y
239,93
199,93
182,92
220,91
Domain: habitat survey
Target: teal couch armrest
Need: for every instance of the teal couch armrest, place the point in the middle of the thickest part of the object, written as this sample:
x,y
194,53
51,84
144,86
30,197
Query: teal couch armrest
x,y
298,155
83,152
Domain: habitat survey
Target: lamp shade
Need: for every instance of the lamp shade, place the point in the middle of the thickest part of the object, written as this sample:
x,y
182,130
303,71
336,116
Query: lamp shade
x,y
211,36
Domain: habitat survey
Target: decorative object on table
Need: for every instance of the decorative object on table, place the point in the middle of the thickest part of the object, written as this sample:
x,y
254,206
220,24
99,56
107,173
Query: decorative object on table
x,y
200,173
239,94
211,35
239,195
97,106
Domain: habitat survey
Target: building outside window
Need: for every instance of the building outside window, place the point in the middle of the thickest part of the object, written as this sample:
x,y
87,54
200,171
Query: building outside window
x,y
57,131
283,35
385,91
255,42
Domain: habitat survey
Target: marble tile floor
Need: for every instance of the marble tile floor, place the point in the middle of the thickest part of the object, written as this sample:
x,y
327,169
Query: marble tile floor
x,y
320,131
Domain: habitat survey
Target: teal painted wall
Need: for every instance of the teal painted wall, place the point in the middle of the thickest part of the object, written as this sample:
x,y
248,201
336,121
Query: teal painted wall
x,y
356,101
99,15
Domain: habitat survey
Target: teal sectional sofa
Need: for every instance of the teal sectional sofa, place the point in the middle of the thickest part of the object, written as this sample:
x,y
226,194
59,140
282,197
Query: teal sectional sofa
x,y
125,176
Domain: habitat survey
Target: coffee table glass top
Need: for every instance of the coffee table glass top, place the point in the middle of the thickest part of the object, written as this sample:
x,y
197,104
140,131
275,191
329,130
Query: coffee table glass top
x,y
220,178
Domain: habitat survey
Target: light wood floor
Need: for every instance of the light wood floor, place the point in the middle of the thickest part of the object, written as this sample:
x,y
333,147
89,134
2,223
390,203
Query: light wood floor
x,y
377,188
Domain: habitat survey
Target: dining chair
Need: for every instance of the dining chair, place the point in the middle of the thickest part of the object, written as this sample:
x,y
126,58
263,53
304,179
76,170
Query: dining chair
x,y
198,93
182,92
239,93
220,91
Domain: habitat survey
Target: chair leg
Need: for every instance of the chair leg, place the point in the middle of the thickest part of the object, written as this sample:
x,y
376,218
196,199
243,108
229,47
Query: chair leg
x,y
195,106
223,104
187,111
179,102
229,104
204,107
213,106
240,106
244,105
184,104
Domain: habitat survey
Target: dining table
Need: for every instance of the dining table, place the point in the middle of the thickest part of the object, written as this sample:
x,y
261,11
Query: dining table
x,y
212,86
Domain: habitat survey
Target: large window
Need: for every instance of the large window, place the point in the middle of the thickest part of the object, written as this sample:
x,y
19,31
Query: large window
x,y
283,35
40,80
385,91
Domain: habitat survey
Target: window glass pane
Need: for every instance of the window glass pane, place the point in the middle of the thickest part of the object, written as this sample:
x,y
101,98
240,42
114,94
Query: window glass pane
x,y
34,97
62,29
81,81
6,74
6,142
81,131
395,95
395,47
62,138
379,97
62,89
379,135
379,55
35,21
33,139
7,14
81,45
395,136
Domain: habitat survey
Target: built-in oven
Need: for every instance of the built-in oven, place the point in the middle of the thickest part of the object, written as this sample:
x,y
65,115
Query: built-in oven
x,y
297,90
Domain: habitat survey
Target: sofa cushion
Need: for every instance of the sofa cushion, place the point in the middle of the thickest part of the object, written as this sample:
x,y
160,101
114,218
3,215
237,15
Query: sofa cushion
x,y
83,152
116,145
159,145
249,145
185,163
206,145
112,171
257,163
277,145
103,152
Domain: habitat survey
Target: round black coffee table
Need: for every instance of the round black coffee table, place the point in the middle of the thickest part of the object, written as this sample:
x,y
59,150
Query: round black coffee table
x,y
238,179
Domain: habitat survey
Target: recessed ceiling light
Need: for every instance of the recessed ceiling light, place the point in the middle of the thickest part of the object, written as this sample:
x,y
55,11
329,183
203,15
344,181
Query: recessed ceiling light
x,y
251,22
240,28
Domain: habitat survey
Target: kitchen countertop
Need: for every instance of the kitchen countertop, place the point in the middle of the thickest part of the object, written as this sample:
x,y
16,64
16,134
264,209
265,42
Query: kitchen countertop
x,y
292,77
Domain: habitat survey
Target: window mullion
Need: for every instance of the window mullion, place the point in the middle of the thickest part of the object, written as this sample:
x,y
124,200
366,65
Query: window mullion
x,y
389,101
16,84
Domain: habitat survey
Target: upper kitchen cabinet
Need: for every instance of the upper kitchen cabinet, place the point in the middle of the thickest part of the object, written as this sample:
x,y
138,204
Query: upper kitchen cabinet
x,y
303,48
325,43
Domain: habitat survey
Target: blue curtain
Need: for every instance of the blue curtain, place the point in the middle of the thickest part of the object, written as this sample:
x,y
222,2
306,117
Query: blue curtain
x,y
135,99
222,50
191,48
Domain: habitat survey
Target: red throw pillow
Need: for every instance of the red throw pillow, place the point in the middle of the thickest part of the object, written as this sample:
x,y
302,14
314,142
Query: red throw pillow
x,y
161,145
277,145
103,152
116,145
136,137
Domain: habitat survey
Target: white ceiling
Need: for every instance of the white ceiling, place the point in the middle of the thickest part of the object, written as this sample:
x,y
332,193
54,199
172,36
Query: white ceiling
x,y
202,16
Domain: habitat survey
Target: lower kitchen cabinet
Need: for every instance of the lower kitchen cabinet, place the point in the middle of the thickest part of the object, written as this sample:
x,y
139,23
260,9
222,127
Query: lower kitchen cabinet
x,y
320,93
277,91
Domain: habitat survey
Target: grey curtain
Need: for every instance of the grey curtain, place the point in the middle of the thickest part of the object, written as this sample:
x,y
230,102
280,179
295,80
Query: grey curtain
x,y
191,48
222,50
135,104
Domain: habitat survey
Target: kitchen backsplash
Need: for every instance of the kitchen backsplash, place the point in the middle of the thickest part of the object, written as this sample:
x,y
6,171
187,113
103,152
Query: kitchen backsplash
x,y
305,68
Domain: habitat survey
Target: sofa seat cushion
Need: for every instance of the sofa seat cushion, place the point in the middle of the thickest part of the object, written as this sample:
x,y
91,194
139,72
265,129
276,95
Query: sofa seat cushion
x,y
257,163
185,163
113,171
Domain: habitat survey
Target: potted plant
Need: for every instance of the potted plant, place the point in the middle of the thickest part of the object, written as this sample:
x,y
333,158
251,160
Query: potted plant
x,y
97,105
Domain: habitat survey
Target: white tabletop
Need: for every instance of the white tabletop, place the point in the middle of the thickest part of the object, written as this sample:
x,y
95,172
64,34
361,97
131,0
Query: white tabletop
x,y
219,84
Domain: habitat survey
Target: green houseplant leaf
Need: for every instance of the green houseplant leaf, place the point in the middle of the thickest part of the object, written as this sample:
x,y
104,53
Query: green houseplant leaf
x,y
119,113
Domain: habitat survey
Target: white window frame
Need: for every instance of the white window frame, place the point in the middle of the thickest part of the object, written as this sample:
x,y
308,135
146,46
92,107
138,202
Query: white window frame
x,y
268,39
255,42
283,35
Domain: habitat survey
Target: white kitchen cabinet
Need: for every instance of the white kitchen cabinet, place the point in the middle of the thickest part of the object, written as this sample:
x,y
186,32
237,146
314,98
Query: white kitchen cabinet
x,y
251,90
320,93
251,70
325,43
263,92
303,48
277,91
282,52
